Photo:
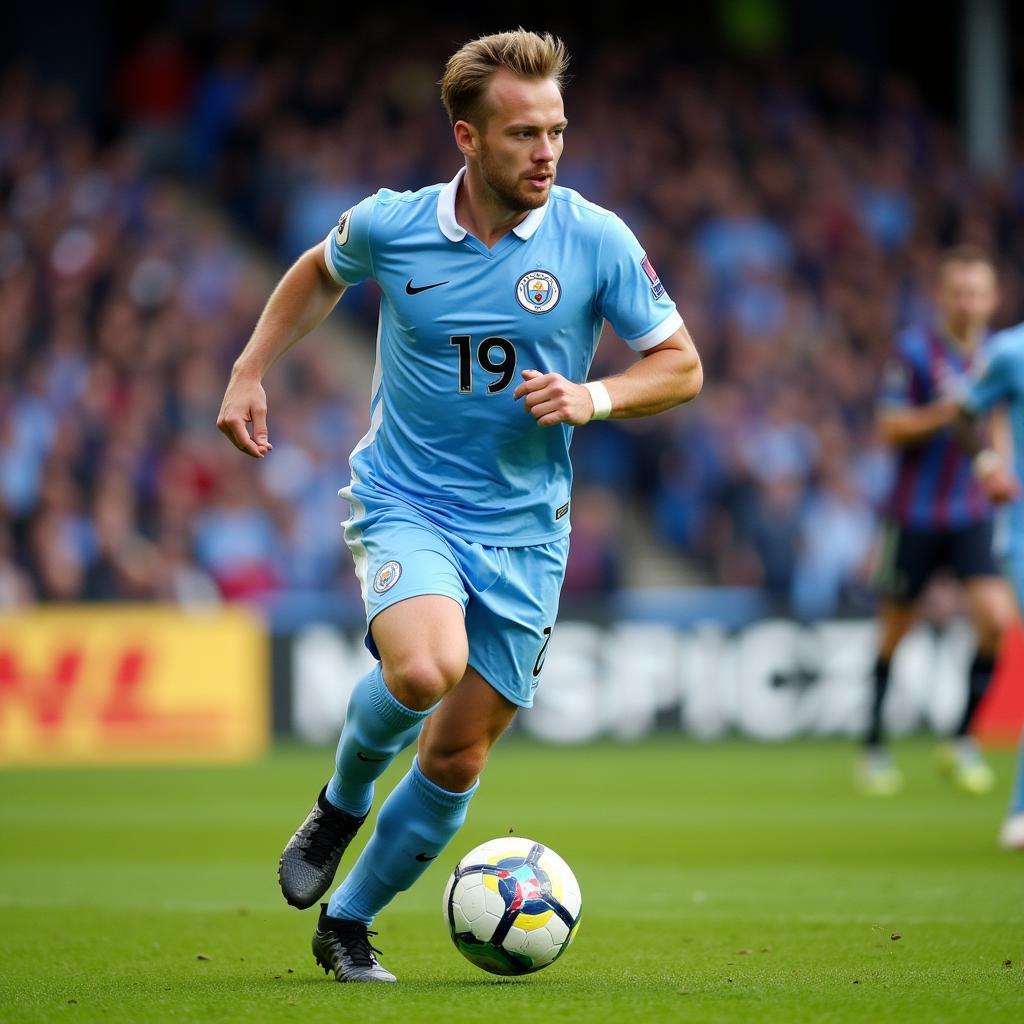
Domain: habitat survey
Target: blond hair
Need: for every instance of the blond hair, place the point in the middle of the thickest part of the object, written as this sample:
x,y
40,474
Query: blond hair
x,y
469,71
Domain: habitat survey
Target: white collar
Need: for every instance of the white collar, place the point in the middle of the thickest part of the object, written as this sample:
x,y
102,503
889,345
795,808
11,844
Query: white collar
x,y
455,232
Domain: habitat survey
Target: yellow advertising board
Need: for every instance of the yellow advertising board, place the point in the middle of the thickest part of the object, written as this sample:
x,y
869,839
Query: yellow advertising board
x,y
127,683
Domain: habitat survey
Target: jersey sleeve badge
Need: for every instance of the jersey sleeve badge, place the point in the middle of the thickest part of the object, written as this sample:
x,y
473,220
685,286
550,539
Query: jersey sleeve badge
x,y
657,288
344,223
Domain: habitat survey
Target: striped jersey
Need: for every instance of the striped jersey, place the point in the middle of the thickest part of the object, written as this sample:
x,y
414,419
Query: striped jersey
x,y
458,324
934,487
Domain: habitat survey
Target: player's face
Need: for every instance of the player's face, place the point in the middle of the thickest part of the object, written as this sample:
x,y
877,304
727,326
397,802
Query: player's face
x,y
521,142
968,295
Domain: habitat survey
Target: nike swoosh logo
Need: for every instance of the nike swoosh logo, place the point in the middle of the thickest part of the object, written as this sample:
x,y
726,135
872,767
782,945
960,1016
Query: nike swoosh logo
x,y
363,757
410,290
424,857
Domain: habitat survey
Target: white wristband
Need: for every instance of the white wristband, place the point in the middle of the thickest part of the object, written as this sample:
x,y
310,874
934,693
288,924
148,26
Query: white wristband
x,y
985,462
601,399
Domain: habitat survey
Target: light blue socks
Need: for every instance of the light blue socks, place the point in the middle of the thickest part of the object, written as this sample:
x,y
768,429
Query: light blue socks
x,y
377,727
415,824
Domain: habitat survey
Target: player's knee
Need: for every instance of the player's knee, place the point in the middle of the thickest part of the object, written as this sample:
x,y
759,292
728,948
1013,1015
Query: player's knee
x,y
991,634
995,620
1003,619
456,769
420,681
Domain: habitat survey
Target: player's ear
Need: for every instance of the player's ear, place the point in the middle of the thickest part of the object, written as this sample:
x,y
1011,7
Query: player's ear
x,y
466,138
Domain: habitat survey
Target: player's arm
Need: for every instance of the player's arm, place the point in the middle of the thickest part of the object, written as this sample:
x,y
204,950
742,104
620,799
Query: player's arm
x,y
301,300
991,464
901,420
910,425
631,297
666,375
1002,435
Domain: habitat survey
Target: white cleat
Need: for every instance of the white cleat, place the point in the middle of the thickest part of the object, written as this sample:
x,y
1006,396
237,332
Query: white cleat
x,y
877,775
968,770
1011,835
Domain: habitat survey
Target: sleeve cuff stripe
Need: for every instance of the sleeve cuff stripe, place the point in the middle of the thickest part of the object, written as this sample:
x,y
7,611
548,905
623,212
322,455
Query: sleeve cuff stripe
x,y
663,331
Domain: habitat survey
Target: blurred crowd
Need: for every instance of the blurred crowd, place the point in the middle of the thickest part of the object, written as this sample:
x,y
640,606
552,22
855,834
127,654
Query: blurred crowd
x,y
795,219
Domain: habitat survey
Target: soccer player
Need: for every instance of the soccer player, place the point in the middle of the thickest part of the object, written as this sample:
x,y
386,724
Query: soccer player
x,y
495,287
1001,382
938,516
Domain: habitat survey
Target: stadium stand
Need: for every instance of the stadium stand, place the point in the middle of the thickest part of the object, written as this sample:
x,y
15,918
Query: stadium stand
x,y
793,219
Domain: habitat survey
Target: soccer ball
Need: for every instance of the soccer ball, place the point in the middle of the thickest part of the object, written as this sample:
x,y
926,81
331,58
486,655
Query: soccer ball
x,y
512,906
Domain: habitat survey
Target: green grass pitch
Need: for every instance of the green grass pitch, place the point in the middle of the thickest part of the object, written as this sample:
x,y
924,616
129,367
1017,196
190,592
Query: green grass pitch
x,y
722,882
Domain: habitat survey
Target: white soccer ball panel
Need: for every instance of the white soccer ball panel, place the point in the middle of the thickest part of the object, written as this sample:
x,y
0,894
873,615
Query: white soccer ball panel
x,y
571,898
516,940
557,930
494,904
541,948
536,944
470,898
459,919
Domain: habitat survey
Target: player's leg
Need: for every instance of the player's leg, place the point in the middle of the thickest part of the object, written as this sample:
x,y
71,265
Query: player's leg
x,y
417,629
895,619
906,560
416,822
512,608
877,774
990,604
429,805
423,649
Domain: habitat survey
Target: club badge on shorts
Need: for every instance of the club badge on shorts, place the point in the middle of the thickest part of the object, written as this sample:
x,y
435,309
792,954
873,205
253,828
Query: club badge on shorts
x,y
387,576
538,291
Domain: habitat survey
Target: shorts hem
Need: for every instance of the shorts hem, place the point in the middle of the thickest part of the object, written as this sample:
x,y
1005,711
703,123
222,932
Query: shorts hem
x,y
514,698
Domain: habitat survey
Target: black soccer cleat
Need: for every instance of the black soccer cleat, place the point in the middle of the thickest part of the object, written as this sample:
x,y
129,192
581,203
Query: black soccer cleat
x,y
344,947
307,866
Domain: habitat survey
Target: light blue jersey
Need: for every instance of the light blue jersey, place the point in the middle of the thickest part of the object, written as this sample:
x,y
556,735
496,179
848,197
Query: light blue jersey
x,y
1001,382
458,324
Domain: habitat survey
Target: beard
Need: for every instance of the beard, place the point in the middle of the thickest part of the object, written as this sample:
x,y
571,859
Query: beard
x,y
509,187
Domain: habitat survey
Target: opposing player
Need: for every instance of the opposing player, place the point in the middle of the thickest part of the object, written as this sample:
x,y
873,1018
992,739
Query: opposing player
x,y
495,287
938,516
1001,383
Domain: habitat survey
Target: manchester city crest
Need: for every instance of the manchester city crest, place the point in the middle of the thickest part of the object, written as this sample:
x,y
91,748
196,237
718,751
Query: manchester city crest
x,y
387,576
538,291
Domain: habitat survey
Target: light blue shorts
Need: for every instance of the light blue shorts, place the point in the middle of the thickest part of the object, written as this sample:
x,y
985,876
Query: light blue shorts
x,y
1008,547
509,596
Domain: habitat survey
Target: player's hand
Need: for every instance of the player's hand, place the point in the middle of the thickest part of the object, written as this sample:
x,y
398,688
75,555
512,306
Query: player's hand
x,y
551,399
946,410
245,402
1000,485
